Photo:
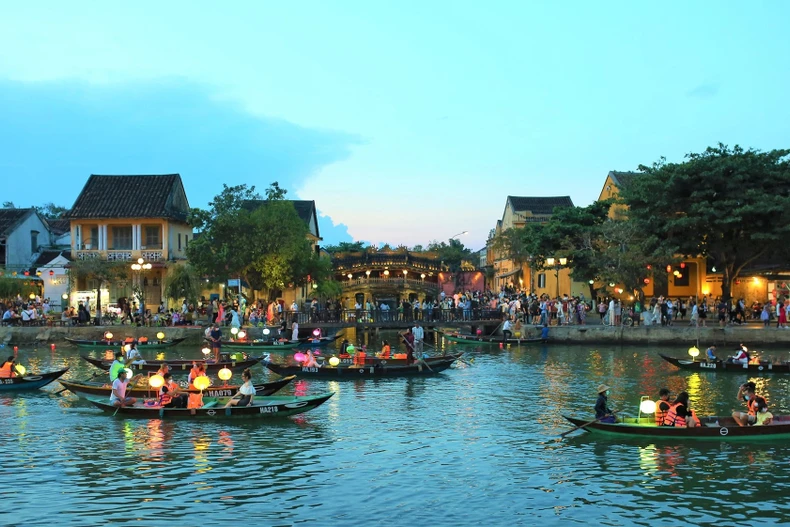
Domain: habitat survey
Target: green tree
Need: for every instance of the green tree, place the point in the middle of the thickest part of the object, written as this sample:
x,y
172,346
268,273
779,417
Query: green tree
x,y
343,247
101,273
728,204
452,253
183,282
51,211
10,287
8,205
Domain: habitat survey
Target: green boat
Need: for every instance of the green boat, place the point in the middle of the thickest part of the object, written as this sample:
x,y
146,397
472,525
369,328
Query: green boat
x,y
711,429
265,345
119,344
468,339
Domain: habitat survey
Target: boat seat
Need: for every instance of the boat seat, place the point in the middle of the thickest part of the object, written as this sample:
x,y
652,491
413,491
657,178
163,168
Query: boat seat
x,y
209,404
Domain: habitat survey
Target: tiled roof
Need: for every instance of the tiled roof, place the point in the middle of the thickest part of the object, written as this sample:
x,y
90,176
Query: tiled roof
x,y
149,196
304,208
59,226
539,205
9,218
45,257
622,178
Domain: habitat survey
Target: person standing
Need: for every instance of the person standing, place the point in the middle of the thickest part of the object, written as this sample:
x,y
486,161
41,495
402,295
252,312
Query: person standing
x,y
506,330
611,312
215,336
419,337
295,330
210,312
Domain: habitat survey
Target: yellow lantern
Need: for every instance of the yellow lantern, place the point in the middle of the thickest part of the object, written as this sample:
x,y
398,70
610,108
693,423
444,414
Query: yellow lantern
x,y
156,381
242,334
128,373
160,336
206,350
202,382
108,335
693,351
127,348
20,369
32,296
234,331
647,406
225,374
334,361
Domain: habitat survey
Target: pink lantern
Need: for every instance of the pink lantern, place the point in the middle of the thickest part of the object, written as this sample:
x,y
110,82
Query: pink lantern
x,y
317,332
299,356
479,332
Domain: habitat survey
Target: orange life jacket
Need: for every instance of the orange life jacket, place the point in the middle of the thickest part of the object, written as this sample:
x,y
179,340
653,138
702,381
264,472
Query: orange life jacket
x,y
399,356
128,340
359,358
385,353
142,340
165,399
672,418
195,400
661,414
5,370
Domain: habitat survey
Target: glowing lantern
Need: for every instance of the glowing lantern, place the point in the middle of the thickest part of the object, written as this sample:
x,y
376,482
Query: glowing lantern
x,y
646,281
669,268
386,272
317,332
51,273
693,351
591,282
236,356
32,296
160,335
64,296
266,331
679,275
108,335
225,374
242,334
299,356
206,350
27,273
334,361
128,373
234,331
156,381
479,332
127,348
647,407
682,265
52,347
611,284
649,267
20,369
201,383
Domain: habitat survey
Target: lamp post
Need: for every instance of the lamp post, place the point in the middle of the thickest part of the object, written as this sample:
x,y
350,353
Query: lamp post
x,y
557,263
138,267
454,236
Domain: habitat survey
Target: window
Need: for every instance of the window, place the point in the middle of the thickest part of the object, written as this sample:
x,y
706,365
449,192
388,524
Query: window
x,y
186,240
152,237
122,238
179,241
93,241
33,241
542,280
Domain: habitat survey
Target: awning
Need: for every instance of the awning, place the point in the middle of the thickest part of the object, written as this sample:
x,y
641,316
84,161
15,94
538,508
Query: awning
x,y
511,273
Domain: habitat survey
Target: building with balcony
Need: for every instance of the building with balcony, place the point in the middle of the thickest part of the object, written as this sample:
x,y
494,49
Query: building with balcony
x,y
122,218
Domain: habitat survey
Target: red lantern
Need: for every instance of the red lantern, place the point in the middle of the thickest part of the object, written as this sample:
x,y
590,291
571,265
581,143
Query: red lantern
x,y
649,267
682,265
27,273
51,273
647,281
669,268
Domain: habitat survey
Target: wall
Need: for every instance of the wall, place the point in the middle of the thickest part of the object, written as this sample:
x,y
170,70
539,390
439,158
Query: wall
x,y
18,250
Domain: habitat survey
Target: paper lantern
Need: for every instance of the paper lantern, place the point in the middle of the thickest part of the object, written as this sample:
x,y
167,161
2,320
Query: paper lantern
x,y
225,374
20,369
156,381
32,296
202,382
647,406
479,332
51,273
160,335
127,348
299,356
206,350
242,334
334,361
646,281
128,373
317,332
233,331
64,296
108,335
266,331
693,351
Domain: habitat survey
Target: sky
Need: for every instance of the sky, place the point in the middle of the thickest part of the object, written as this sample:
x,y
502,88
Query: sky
x,y
405,121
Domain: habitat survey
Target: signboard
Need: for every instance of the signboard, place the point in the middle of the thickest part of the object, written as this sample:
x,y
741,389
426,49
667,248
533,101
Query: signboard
x,y
233,282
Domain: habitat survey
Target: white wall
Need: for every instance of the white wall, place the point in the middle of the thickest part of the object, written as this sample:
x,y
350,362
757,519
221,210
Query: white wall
x,y
18,253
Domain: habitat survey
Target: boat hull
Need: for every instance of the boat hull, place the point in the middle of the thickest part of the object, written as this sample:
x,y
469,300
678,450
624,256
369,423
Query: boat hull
x,y
253,345
364,372
92,388
176,365
118,344
29,382
488,340
711,429
272,407
721,366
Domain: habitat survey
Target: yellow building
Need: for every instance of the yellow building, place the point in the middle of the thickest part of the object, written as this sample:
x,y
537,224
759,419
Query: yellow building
x,y
123,218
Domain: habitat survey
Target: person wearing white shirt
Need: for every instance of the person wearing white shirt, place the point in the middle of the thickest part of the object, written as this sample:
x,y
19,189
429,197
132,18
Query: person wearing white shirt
x,y
246,393
506,330
118,395
294,306
419,336
295,331
133,355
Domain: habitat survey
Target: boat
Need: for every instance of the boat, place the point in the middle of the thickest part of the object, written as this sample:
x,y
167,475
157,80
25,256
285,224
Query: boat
x,y
99,388
29,382
176,364
112,344
314,342
273,406
457,337
711,428
753,368
432,367
269,344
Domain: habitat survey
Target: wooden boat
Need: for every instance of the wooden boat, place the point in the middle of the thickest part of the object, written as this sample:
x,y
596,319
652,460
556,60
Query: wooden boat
x,y
113,344
177,365
29,382
365,372
103,389
712,429
270,345
457,337
753,368
274,406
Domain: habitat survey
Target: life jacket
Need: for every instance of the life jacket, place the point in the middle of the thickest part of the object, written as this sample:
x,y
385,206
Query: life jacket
x,y
194,373
359,358
142,340
165,399
672,418
385,353
399,356
128,340
195,400
661,414
5,370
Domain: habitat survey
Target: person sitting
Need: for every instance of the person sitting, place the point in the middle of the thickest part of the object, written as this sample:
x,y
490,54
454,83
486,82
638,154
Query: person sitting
x,y
662,406
163,370
763,416
133,355
710,354
198,370
177,399
386,350
309,360
118,396
246,392
117,366
741,356
679,413
603,413
746,393
165,400
8,369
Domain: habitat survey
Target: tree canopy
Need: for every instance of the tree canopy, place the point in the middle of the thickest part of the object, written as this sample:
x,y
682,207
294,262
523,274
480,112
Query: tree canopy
x,y
452,253
183,282
728,204
345,247
99,271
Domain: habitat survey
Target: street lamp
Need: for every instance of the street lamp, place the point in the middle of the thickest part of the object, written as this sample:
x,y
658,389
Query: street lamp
x,y
368,273
140,266
557,263
459,234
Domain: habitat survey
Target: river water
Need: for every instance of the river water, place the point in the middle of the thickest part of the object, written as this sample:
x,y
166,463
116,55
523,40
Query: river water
x,y
476,445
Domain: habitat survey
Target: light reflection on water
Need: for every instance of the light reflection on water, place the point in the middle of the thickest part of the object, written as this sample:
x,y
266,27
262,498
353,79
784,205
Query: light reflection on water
x,y
475,445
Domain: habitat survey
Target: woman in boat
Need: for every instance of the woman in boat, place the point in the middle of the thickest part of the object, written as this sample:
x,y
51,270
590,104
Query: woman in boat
x,y
752,400
763,416
8,369
133,355
603,413
176,398
198,370
163,370
309,360
680,414
386,351
662,406
246,392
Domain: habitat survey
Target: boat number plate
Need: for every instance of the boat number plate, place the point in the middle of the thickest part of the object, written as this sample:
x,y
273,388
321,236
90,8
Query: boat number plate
x,y
211,413
723,431
711,365
310,369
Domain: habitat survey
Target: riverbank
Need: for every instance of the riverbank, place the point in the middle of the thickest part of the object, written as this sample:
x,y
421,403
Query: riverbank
x,y
753,336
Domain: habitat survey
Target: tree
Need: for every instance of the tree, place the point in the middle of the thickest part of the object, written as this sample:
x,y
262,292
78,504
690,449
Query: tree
x,y
183,282
343,247
10,287
263,242
452,253
730,205
8,205
101,273
51,211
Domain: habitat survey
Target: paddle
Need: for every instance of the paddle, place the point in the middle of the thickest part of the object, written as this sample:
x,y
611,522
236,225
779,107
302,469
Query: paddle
x,y
420,360
495,329
131,382
583,426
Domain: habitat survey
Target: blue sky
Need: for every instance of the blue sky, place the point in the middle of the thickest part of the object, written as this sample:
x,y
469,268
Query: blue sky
x,y
406,122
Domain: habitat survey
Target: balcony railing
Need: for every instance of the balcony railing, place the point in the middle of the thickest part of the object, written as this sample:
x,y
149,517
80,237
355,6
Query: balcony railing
x,y
388,282
125,255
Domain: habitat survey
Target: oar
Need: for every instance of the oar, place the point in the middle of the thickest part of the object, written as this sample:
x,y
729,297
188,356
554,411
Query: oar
x,y
89,378
130,383
495,329
583,426
415,351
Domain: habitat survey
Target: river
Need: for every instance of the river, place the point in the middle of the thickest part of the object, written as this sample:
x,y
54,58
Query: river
x,y
476,445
